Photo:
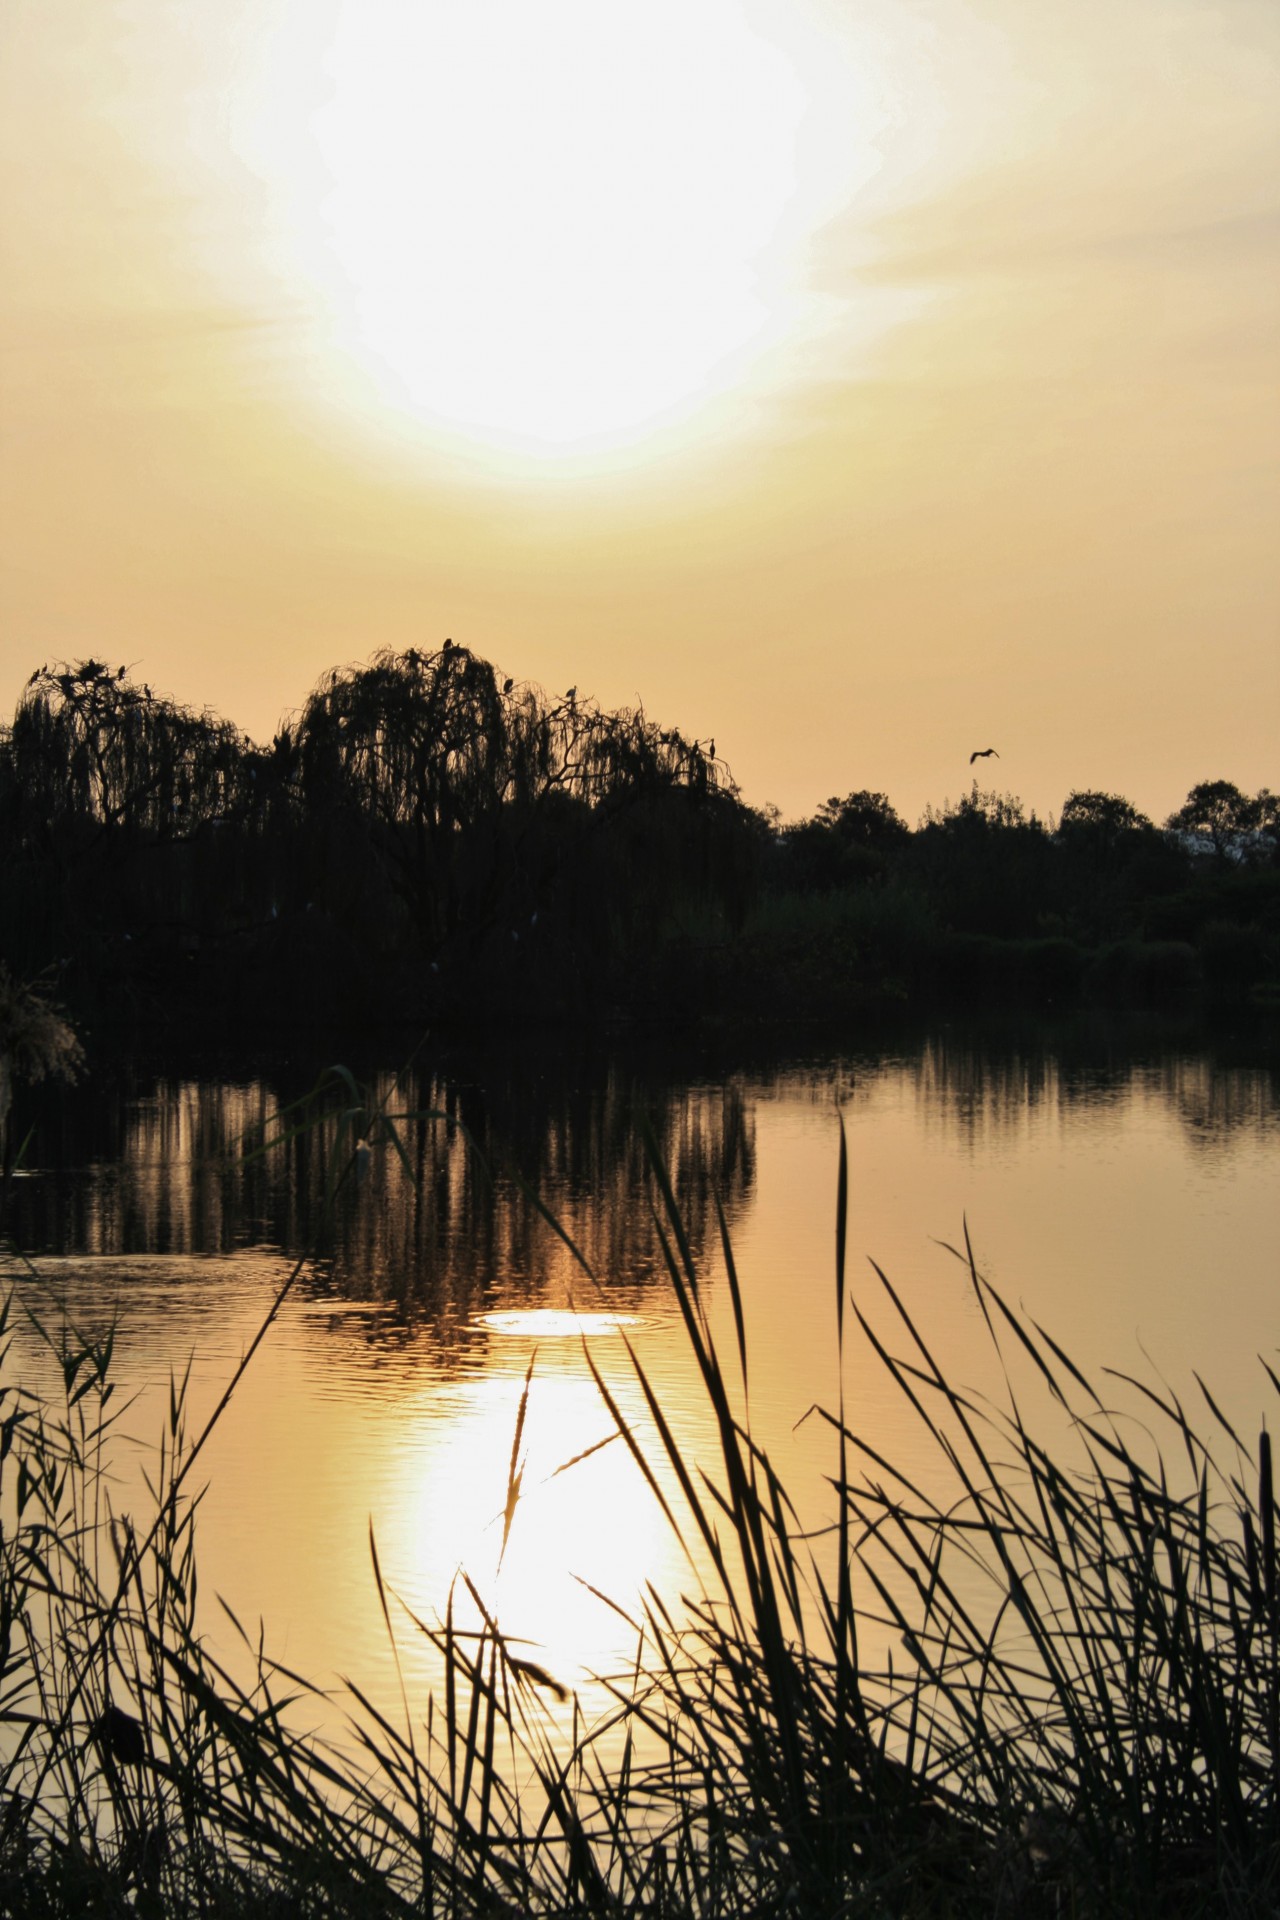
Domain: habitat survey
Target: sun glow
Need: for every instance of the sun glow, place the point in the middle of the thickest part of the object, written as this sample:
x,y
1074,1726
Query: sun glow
x,y
556,227
556,1323
583,1518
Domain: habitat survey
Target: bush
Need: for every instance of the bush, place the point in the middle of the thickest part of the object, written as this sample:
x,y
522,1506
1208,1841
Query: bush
x,y
1131,973
1235,958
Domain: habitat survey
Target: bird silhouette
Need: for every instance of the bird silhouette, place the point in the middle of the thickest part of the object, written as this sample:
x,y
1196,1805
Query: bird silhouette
x,y
119,1734
982,753
507,685
572,694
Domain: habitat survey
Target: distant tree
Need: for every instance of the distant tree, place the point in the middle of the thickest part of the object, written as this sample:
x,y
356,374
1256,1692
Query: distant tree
x,y
1267,824
979,809
987,867
1110,858
847,842
1104,815
1218,811
864,819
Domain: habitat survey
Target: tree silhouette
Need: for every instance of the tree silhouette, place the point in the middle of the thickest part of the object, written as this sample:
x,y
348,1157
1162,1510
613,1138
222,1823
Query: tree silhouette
x,y
988,868
93,752
479,801
1218,811
1107,816
430,837
418,753
864,819
847,841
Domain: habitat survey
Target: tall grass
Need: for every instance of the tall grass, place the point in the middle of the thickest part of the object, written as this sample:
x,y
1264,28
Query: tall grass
x,y
1082,1715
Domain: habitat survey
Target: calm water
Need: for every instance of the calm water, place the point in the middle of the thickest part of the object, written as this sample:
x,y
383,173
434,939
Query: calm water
x,y
1124,1192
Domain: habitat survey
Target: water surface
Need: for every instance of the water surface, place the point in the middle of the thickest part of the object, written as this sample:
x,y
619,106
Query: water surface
x,y
1122,1191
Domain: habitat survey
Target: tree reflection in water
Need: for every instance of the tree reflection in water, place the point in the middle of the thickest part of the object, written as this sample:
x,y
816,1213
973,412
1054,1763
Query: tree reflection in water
x,y
452,1228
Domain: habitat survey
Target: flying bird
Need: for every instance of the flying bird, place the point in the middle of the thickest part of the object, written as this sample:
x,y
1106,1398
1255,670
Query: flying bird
x,y
982,753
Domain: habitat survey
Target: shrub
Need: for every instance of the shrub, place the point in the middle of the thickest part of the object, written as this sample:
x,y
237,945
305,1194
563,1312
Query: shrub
x,y
1142,972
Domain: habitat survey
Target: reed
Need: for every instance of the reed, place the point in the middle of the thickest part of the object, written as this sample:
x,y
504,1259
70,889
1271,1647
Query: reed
x,y
1082,1715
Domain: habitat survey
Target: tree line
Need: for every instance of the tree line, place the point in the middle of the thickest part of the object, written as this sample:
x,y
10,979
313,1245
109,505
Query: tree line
x,y
984,901
428,837
423,831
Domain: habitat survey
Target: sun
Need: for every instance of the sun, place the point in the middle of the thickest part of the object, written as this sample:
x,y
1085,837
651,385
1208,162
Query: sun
x,y
553,225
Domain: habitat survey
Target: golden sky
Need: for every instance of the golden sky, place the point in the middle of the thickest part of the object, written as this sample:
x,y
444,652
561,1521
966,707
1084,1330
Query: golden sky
x,y
855,384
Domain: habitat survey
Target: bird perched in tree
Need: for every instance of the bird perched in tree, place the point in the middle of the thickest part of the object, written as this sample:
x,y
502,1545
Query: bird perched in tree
x,y
118,1734
507,685
572,694
982,753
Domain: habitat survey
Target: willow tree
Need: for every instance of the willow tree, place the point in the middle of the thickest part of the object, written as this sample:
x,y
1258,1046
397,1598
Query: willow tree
x,y
115,795
95,753
479,800
412,760
662,836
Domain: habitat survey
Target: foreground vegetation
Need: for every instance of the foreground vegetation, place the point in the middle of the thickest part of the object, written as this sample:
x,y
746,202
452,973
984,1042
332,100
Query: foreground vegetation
x,y
1083,1717
429,840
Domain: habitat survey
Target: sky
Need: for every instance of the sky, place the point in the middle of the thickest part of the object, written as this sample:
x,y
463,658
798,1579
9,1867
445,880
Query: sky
x,y
853,385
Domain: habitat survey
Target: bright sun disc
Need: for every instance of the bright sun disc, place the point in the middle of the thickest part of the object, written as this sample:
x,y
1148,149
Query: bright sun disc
x,y
557,225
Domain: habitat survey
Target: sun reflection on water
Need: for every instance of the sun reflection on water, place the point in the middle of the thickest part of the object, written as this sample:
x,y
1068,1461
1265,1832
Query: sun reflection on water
x,y
556,1323
583,1523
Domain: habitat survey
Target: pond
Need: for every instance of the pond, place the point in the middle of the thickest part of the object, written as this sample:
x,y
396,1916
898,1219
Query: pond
x,y
1117,1185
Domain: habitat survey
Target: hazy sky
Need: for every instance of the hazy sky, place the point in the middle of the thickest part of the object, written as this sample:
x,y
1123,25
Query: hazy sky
x,y
858,384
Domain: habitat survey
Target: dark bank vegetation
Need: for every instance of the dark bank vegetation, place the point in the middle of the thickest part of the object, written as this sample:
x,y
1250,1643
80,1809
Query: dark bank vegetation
x,y
424,837
1082,1714
984,904
428,840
